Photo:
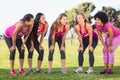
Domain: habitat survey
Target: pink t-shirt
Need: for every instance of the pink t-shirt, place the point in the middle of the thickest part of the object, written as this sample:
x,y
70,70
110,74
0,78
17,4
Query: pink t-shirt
x,y
115,30
9,32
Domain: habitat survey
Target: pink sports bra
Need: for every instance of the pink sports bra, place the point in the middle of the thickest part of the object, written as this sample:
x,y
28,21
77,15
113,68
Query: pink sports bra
x,y
41,30
60,34
85,34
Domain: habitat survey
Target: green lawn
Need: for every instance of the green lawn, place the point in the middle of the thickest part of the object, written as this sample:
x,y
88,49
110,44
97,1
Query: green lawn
x,y
71,63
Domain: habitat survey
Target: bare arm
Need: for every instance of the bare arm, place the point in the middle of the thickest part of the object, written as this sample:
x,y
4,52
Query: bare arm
x,y
89,29
64,36
53,38
42,35
79,35
31,40
31,27
111,35
16,31
100,37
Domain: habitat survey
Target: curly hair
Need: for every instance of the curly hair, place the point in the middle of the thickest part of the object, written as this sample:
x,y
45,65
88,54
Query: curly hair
x,y
102,16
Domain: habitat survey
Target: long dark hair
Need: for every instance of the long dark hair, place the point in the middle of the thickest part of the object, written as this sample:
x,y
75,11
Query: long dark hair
x,y
36,25
57,22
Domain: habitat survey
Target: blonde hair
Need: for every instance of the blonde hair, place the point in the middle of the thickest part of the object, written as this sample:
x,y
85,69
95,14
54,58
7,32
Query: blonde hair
x,y
82,14
57,22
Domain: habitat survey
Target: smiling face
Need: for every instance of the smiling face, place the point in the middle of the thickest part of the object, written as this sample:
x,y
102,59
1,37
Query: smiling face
x,y
63,20
99,22
42,19
80,19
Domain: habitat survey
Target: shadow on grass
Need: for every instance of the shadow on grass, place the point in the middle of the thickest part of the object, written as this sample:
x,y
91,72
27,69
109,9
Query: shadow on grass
x,y
58,75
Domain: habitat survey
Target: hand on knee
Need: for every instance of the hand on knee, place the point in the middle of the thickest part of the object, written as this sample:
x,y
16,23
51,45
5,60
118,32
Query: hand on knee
x,y
80,49
91,49
51,48
62,48
41,48
31,49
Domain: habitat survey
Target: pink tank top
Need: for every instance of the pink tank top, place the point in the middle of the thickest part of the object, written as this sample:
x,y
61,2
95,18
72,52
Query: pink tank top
x,y
115,30
9,32
41,30
60,34
85,34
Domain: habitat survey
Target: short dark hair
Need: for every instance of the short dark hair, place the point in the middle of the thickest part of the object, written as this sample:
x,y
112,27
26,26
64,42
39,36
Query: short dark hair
x,y
102,16
27,17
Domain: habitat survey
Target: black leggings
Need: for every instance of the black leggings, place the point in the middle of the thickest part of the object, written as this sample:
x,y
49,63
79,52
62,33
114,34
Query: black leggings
x,y
91,55
36,46
59,41
28,45
18,44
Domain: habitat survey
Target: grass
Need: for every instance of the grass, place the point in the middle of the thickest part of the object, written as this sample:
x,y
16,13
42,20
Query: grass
x,y
71,63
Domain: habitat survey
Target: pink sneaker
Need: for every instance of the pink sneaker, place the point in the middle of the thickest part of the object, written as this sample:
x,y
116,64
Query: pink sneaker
x,y
104,71
13,73
110,71
22,71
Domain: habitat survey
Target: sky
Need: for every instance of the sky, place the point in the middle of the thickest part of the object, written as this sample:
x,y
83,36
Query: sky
x,y
12,11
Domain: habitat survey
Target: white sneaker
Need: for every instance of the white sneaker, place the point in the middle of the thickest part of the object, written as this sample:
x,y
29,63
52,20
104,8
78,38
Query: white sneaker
x,y
78,70
89,71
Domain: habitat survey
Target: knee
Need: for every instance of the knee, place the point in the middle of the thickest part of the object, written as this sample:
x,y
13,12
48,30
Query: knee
x,y
51,50
12,55
50,57
63,56
22,54
30,54
41,54
91,50
80,52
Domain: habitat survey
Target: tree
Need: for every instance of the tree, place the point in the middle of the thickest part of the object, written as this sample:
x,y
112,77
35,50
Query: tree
x,y
71,16
113,15
85,8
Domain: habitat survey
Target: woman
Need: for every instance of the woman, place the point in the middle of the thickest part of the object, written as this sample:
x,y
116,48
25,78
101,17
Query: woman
x,y
13,39
111,41
87,38
39,29
58,33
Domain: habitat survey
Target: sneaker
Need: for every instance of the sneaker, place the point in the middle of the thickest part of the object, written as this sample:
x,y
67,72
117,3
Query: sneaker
x,y
63,70
13,73
49,71
104,71
22,71
79,70
109,71
30,72
89,71
40,71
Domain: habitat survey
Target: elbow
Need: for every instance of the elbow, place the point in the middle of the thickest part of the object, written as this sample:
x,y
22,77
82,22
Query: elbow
x,y
14,35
